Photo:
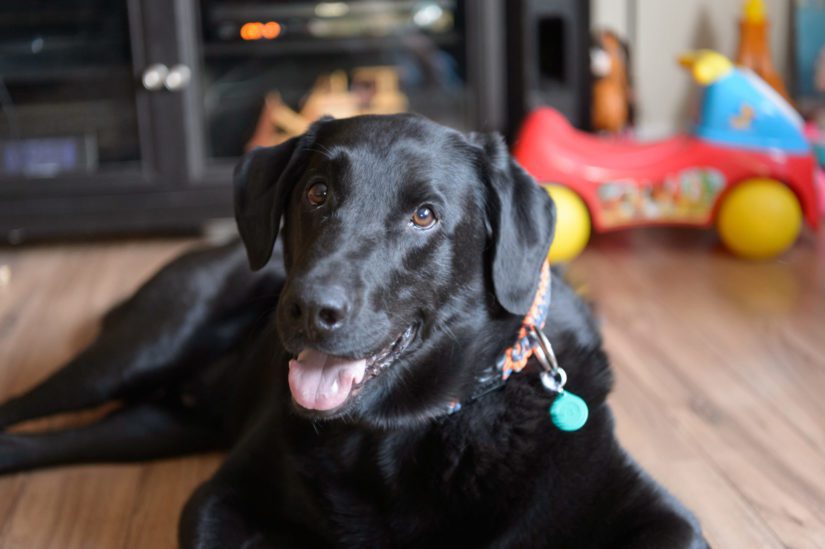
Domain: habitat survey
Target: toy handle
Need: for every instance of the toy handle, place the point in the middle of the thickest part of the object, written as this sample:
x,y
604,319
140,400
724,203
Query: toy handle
x,y
706,66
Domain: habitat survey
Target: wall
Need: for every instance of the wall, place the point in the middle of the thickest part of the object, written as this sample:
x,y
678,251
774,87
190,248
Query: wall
x,y
666,96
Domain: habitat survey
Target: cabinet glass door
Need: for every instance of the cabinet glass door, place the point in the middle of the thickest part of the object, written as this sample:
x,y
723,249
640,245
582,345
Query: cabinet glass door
x,y
268,69
67,91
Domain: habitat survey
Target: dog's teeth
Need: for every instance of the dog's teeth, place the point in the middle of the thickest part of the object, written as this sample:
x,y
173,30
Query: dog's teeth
x,y
380,361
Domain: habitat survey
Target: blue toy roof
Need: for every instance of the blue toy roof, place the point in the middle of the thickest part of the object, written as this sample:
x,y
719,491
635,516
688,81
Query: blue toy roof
x,y
741,110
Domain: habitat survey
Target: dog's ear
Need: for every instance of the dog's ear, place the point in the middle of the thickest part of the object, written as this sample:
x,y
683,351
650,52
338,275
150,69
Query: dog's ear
x,y
263,181
522,220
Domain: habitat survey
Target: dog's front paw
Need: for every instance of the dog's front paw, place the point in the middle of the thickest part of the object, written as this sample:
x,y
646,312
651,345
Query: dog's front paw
x,y
673,532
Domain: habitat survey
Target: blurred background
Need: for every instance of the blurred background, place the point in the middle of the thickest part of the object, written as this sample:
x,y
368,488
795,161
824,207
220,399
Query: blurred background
x,y
129,115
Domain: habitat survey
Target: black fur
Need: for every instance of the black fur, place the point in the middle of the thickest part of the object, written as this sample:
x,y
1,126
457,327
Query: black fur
x,y
199,358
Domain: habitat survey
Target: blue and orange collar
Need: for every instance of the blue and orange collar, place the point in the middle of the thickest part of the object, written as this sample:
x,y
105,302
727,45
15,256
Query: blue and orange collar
x,y
515,357
568,411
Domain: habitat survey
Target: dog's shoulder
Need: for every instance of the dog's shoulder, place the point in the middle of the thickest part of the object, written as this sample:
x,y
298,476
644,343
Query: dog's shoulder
x,y
570,317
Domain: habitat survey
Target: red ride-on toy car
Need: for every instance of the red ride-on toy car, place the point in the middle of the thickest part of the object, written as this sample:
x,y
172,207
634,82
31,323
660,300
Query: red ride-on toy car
x,y
746,167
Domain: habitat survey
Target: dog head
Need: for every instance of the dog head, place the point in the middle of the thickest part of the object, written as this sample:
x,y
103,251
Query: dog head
x,y
403,240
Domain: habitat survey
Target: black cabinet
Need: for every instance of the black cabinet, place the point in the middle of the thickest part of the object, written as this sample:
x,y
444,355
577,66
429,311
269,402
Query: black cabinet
x,y
123,115
85,146
130,115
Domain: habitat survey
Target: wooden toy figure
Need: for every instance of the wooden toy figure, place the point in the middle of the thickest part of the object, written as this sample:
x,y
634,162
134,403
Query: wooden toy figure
x,y
375,90
611,110
612,95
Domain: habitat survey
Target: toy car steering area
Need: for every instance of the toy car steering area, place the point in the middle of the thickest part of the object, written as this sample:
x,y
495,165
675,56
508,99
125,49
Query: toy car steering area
x,y
746,167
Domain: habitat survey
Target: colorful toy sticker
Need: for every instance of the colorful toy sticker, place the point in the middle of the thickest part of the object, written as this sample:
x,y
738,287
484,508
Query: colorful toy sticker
x,y
685,197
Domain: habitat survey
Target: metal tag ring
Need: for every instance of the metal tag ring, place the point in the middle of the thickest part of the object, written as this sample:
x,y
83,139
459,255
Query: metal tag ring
x,y
554,382
544,351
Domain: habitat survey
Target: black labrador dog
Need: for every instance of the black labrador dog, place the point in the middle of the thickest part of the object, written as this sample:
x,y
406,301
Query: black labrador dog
x,y
354,372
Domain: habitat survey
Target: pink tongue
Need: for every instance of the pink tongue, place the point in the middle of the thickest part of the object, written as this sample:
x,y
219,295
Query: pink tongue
x,y
322,382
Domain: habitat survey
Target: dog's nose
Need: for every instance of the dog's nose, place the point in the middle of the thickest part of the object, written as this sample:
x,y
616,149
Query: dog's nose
x,y
323,308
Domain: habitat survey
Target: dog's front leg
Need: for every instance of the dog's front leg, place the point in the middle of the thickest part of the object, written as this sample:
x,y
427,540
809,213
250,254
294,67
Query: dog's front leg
x,y
216,517
219,515
255,499
669,531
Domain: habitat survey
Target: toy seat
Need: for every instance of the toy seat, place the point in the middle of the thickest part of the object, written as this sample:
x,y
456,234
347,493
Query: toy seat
x,y
548,134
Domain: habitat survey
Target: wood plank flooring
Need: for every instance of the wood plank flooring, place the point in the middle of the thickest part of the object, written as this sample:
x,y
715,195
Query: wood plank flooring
x,y
720,368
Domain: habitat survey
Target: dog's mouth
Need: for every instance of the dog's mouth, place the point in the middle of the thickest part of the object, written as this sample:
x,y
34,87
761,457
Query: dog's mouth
x,y
323,382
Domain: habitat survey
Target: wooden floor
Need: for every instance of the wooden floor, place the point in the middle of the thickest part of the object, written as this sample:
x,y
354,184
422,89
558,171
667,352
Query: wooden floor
x,y
720,386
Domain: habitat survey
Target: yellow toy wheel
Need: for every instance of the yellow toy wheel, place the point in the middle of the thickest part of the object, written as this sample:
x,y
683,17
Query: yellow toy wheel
x,y
759,219
572,224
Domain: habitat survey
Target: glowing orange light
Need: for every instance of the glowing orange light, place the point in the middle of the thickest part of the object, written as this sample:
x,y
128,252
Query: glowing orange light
x,y
271,30
255,30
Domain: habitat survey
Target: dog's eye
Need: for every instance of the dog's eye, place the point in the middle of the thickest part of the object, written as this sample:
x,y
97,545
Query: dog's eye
x,y
317,193
423,218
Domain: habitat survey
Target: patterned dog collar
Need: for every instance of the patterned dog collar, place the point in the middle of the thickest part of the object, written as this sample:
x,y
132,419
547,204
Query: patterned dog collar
x,y
515,357
568,412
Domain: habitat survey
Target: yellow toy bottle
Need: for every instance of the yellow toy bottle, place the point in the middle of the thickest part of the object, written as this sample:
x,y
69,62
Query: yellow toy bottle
x,y
754,47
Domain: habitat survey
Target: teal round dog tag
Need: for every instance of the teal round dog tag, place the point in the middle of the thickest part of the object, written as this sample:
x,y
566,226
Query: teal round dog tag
x,y
568,412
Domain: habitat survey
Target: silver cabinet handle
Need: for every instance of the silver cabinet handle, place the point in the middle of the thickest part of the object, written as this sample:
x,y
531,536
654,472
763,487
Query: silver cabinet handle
x,y
177,78
154,76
